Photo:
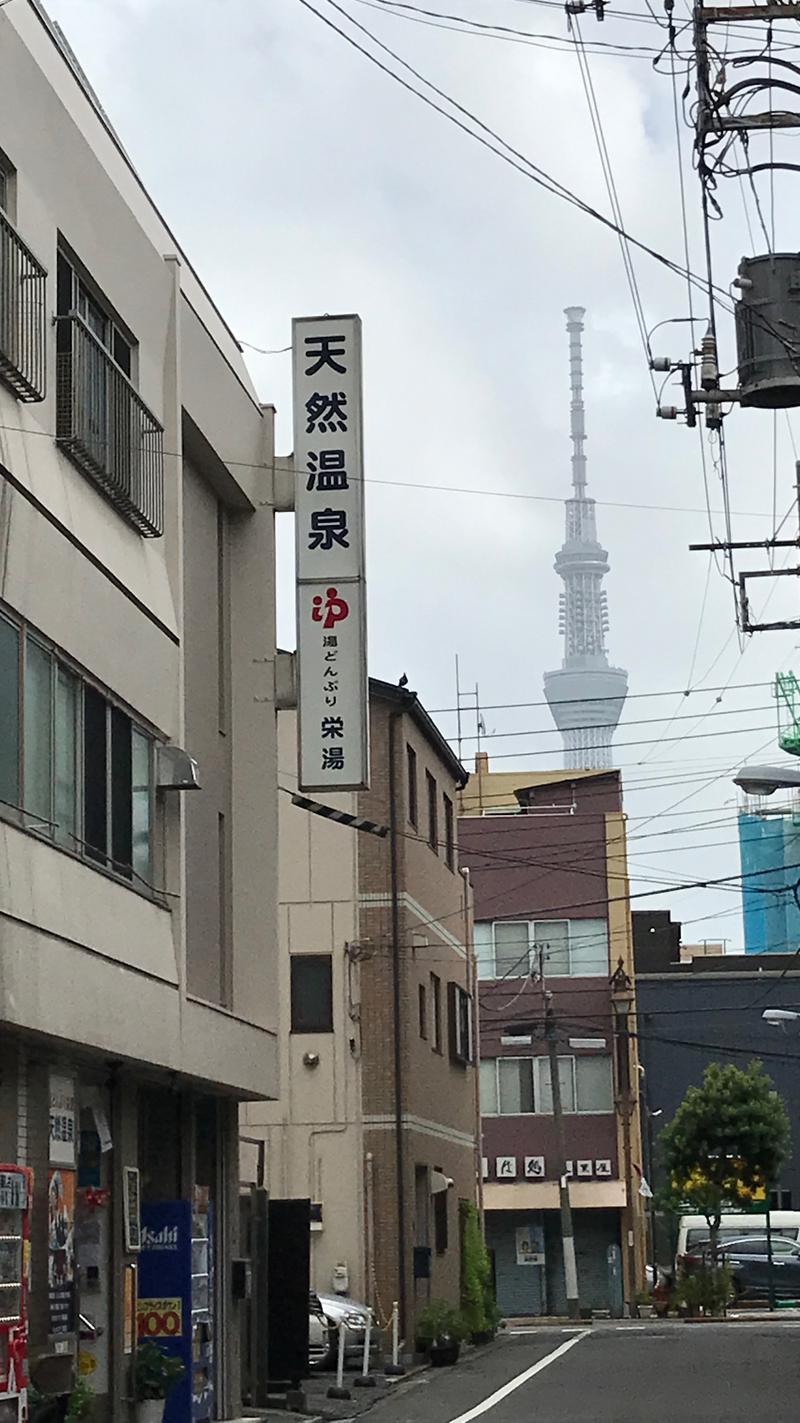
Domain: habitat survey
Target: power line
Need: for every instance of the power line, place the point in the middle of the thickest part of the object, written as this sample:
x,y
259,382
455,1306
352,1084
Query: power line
x,y
613,198
481,30
440,488
595,726
511,155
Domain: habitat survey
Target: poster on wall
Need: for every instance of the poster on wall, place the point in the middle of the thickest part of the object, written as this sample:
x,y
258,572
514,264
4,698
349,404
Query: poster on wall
x,y
62,1120
530,1244
61,1251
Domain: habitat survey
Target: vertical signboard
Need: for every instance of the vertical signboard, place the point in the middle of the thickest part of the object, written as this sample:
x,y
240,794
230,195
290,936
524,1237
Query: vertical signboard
x,y
333,712
61,1182
164,1305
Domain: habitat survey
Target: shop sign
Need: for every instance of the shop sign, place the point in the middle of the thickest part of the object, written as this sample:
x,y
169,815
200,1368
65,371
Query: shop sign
x,y
534,1168
333,713
62,1120
61,1251
506,1167
133,1228
530,1244
160,1318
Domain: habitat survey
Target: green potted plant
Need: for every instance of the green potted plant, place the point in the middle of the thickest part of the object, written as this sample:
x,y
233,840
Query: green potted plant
x,y
440,1330
478,1308
155,1374
80,1400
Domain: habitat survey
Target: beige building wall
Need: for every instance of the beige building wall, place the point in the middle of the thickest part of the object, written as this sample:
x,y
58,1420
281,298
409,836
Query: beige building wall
x,y
332,1134
313,1133
85,958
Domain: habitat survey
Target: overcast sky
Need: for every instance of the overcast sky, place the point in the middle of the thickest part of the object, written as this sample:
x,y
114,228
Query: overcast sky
x,y
301,179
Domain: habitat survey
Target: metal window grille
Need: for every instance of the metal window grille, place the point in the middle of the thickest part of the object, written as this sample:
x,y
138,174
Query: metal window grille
x,y
106,429
22,316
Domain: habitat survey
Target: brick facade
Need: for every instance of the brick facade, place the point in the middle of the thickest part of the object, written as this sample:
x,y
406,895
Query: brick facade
x,y
438,1093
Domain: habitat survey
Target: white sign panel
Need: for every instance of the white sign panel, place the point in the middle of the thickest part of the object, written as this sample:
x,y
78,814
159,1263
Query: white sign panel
x,y
329,538
506,1168
584,1168
530,1244
534,1168
332,685
62,1120
602,1168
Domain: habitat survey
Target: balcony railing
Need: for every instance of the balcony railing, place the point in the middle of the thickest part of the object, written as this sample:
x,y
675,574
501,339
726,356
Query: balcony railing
x,y
106,429
22,316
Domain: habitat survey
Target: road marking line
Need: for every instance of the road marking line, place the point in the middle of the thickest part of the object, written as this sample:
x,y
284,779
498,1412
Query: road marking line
x,y
520,1379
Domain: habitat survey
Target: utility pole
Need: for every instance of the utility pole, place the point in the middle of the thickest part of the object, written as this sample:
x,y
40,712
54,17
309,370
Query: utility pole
x,y
622,1001
567,1233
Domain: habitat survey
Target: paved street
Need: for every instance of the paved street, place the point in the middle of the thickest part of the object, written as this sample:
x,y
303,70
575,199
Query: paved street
x,y
652,1373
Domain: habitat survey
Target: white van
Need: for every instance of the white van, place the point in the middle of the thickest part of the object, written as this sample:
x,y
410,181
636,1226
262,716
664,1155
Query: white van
x,y
693,1229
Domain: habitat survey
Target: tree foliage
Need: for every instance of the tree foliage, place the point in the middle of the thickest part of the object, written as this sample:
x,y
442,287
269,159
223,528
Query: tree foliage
x,y
727,1141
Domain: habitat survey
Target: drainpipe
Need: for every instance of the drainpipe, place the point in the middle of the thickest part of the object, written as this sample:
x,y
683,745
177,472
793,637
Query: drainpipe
x,y
394,719
472,989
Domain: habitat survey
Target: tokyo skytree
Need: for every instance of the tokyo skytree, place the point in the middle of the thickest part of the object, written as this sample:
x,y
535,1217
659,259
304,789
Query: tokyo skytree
x,y
586,695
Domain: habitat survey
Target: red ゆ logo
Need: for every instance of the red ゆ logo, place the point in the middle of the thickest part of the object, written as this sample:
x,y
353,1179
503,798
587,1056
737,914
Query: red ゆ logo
x,y
331,610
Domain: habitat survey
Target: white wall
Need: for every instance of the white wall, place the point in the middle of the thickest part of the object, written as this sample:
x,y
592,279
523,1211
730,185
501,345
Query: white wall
x,y
83,957
313,1133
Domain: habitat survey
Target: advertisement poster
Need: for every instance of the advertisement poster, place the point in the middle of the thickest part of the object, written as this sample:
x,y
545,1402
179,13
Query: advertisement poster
x,y
530,1245
62,1120
61,1251
164,1310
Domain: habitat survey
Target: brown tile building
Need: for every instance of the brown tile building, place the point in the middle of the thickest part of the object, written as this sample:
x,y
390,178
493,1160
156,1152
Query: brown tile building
x,y
547,859
382,1130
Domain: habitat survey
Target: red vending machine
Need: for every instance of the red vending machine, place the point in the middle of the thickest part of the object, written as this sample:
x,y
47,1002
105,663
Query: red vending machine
x,y
16,1196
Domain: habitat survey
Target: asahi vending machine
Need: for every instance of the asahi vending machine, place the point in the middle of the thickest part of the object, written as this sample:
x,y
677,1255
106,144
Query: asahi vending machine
x,y
16,1195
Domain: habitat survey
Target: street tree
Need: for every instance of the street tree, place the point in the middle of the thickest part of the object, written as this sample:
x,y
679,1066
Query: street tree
x,y
726,1143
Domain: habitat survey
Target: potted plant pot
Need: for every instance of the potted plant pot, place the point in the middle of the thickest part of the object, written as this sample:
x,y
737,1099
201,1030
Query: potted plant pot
x,y
440,1330
150,1410
155,1374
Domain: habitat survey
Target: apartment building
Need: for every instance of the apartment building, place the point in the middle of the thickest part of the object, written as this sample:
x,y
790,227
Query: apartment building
x,y
377,1120
547,859
138,890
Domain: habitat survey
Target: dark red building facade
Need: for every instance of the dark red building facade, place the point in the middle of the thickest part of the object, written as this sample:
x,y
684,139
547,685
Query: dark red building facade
x,y
547,861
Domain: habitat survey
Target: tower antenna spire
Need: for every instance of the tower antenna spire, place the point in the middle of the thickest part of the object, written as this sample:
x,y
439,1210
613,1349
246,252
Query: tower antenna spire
x,y
577,423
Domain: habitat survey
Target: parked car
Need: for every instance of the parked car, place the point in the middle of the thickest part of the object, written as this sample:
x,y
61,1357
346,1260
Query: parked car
x,y
319,1334
748,1259
342,1312
693,1229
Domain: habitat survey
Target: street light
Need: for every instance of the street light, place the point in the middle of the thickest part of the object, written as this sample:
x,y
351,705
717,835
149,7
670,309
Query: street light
x,y
765,780
778,1016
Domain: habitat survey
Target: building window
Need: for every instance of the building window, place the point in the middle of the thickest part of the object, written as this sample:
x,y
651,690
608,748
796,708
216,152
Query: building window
x,y
422,1005
518,1086
312,993
460,1023
7,184
449,834
9,714
73,764
488,1087
101,421
440,1219
780,1200
436,1007
411,779
433,813
551,948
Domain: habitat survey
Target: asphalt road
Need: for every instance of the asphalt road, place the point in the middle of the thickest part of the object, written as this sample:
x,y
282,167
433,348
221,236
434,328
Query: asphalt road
x,y
659,1373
